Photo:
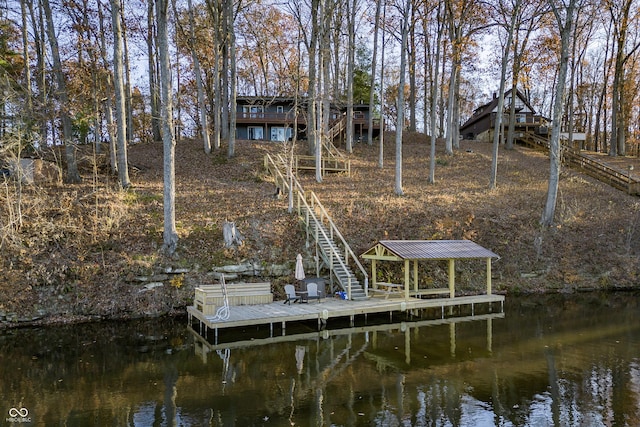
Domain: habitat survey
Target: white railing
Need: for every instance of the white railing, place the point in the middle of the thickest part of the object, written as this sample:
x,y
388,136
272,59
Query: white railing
x,y
311,217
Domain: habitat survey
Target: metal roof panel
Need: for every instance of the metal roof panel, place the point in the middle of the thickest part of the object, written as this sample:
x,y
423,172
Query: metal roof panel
x,y
437,249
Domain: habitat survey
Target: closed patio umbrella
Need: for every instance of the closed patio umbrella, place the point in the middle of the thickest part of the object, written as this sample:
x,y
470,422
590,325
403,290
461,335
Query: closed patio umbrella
x,y
299,275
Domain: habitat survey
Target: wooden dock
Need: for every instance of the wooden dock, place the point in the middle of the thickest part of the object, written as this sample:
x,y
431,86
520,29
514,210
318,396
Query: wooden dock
x,y
277,315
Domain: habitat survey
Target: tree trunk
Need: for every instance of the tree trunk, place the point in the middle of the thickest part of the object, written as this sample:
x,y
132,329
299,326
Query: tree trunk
x,y
224,81
108,108
153,74
25,54
233,88
373,73
441,97
400,124
554,142
618,107
411,55
40,78
382,88
448,144
196,70
350,67
217,81
498,129
434,99
600,142
127,77
170,234
118,80
73,176
313,56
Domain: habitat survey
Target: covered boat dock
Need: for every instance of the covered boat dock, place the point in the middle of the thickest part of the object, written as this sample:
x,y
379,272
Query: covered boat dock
x,y
411,252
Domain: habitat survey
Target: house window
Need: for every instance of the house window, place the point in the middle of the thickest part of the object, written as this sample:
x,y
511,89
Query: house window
x,y
253,111
280,133
256,132
280,109
519,102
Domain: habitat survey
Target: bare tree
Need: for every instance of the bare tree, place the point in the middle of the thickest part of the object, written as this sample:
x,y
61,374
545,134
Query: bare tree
x,y
563,11
198,77
231,37
154,83
381,139
108,108
434,92
73,176
351,23
170,235
465,18
118,80
374,59
25,53
401,106
527,23
509,9
620,11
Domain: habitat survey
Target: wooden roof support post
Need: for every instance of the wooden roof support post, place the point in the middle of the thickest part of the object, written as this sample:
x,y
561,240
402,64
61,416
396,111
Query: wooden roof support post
x,y
488,276
407,272
452,278
415,275
374,283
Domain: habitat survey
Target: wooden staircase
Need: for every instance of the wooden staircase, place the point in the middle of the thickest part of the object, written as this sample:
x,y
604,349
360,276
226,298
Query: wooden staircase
x,y
332,159
622,180
332,250
533,141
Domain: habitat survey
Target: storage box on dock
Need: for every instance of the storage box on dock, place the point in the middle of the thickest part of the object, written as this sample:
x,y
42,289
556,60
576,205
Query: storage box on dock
x,y
209,297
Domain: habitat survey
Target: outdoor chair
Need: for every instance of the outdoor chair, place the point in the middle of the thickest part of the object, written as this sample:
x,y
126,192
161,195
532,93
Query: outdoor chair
x,y
290,290
313,292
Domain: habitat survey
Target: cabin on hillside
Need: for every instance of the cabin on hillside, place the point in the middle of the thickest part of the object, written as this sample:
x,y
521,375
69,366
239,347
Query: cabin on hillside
x,y
481,124
274,118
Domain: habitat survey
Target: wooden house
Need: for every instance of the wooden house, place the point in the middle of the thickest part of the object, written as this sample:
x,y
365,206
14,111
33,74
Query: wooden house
x,y
274,119
481,124
361,114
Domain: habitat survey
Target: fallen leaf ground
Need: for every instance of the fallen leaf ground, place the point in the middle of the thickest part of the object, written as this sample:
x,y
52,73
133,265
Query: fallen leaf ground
x,y
80,250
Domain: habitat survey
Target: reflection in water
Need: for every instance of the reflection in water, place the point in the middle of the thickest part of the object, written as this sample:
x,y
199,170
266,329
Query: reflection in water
x,y
550,361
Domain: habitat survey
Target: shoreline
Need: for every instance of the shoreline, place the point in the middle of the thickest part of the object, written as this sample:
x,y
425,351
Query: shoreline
x,y
55,320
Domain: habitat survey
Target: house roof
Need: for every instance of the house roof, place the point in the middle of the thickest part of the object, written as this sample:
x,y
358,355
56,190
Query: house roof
x,y
486,109
398,250
265,100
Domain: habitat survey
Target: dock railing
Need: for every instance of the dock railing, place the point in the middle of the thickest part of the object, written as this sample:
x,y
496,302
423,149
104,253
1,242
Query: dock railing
x,y
309,210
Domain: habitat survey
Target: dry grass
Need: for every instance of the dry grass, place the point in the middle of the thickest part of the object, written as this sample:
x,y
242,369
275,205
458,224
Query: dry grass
x,y
79,248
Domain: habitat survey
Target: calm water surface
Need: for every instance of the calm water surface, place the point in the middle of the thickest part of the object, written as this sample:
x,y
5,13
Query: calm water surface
x,y
548,361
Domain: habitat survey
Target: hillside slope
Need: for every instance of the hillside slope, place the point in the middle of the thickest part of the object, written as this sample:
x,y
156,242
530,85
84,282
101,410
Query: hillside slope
x,y
81,251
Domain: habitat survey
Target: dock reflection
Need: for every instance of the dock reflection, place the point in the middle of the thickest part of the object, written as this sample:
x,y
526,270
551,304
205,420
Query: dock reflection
x,y
203,348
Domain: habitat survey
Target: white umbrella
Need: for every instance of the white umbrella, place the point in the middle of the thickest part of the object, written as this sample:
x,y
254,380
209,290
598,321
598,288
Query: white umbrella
x,y
299,268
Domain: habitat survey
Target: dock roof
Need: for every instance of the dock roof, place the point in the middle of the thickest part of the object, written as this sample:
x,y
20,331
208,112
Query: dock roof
x,y
397,250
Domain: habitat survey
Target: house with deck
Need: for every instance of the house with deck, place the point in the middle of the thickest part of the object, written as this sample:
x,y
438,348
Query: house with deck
x,y
481,124
275,118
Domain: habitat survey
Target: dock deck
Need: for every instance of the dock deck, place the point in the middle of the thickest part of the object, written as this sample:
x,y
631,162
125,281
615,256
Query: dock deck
x,y
323,311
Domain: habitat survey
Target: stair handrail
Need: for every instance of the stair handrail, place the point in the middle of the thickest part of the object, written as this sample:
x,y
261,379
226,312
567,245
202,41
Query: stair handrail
x,y
337,127
333,252
302,201
268,160
334,229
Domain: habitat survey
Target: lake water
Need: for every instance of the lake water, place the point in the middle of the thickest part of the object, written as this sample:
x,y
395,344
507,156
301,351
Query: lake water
x,y
561,360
